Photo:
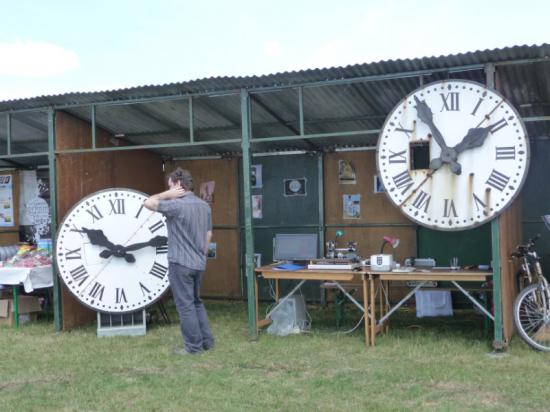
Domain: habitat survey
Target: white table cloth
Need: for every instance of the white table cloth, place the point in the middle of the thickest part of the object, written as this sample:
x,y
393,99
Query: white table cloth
x,y
31,278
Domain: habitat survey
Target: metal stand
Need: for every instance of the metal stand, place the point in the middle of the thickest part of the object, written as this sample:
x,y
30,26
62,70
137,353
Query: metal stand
x,y
127,324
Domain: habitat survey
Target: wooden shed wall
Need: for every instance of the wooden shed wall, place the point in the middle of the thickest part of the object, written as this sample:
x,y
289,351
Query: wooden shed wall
x,y
79,175
376,209
222,275
510,236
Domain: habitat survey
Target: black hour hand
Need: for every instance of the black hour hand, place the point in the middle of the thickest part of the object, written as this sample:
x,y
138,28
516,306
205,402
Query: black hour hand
x,y
97,237
474,138
155,242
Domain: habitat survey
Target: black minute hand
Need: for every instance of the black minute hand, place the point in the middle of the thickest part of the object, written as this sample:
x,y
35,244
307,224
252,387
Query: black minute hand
x,y
155,242
448,155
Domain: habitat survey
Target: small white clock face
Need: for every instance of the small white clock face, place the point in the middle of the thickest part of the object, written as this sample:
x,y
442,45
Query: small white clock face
x,y
294,186
452,155
111,251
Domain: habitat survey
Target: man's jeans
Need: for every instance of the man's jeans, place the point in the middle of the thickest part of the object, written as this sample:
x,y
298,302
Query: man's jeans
x,y
186,285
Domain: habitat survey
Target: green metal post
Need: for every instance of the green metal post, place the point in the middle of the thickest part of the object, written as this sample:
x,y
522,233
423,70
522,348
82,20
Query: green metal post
x,y
301,109
247,200
191,121
93,127
57,315
498,342
321,189
16,306
8,138
321,227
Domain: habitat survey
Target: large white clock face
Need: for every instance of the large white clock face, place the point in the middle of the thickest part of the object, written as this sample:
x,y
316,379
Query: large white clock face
x,y
452,155
111,251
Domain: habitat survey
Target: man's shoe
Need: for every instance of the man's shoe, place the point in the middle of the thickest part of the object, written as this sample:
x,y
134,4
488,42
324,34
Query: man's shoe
x,y
181,351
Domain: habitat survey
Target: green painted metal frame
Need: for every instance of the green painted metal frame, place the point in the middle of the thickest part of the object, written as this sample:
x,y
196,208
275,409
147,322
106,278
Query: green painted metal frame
x,y
498,342
57,313
247,201
245,143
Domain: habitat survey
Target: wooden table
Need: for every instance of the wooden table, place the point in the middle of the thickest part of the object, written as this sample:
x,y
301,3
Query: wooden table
x,y
337,276
383,278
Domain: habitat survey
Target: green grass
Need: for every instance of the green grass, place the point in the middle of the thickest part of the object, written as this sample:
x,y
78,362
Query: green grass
x,y
434,365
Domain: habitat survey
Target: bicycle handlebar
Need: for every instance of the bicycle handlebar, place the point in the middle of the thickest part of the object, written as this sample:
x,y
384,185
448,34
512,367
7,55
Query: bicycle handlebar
x,y
522,250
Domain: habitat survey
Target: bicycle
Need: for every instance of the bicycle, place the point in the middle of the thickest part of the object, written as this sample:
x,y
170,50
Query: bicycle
x,y
532,305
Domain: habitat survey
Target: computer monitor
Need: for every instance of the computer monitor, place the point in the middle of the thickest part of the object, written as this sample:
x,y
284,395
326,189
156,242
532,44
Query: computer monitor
x,y
295,247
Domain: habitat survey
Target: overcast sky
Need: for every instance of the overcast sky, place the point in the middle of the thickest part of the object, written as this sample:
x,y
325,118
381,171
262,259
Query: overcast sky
x,y
61,46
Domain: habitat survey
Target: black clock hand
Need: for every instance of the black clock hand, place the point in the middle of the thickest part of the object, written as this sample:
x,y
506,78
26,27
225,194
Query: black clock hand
x,y
97,237
122,251
155,242
448,155
474,138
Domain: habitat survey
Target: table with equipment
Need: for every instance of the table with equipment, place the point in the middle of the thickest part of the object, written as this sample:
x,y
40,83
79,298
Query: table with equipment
x,y
379,281
338,277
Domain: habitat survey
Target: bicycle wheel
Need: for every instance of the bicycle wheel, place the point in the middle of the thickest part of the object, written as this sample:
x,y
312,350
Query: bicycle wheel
x,y
532,317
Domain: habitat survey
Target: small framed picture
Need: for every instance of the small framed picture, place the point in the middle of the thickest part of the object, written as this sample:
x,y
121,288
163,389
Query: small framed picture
x,y
257,208
346,173
212,250
256,177
295,187
378,186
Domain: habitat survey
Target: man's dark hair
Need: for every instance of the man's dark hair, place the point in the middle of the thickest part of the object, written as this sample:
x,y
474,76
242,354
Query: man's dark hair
x,y
183,176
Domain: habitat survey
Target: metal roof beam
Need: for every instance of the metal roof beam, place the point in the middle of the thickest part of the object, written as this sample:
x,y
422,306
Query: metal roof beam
x,y
281,120
143,111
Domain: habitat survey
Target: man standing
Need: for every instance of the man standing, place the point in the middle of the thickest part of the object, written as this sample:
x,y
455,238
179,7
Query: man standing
x,y
189,224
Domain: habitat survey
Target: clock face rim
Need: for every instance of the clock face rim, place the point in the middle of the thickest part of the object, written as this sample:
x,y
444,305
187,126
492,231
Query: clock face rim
x,y
56,262
520,184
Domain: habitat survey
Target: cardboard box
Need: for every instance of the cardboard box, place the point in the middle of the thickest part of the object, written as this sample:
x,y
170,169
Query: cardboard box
x,y
29,306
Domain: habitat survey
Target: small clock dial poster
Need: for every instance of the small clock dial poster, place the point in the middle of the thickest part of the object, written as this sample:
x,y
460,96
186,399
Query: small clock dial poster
x,y
295,187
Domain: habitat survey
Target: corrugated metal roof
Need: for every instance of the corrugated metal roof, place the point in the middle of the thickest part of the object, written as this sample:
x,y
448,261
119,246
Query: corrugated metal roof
x,y
333,107
215,84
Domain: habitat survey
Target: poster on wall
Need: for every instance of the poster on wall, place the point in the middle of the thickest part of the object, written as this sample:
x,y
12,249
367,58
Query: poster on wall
x,y
351,206
256,177
378,186
346,173
34,212
206,191
295,187
6,201
257,207
212,250
257,260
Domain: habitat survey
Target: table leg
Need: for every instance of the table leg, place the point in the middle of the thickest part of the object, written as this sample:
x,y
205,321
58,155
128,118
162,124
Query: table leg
x,y
366,306
373,312
381,297
15,306
277,291
386,303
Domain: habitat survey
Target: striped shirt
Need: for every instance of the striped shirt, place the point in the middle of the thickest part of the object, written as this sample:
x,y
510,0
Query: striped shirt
x,y
188,219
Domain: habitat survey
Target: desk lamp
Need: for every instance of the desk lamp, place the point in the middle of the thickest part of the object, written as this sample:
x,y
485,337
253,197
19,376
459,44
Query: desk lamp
x,y
393,241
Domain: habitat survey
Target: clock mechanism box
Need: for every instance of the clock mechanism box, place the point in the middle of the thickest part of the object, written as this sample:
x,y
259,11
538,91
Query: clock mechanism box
x,y
29,306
